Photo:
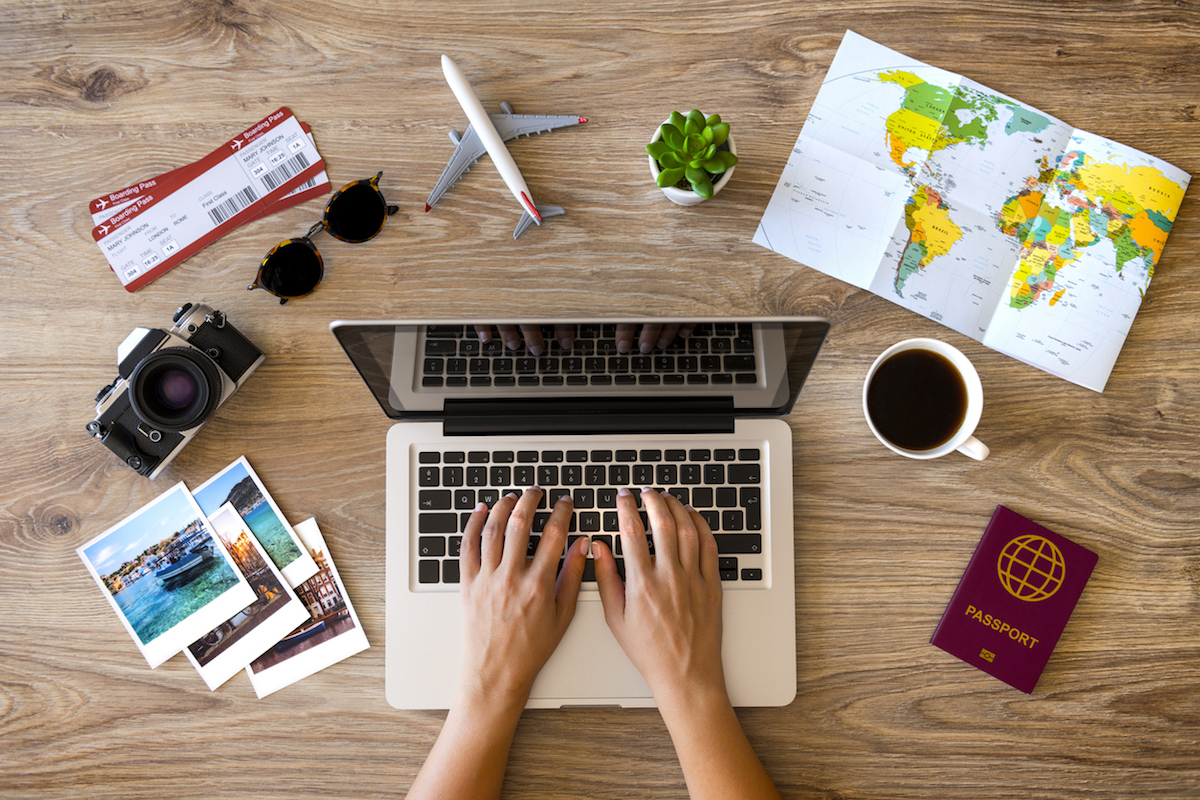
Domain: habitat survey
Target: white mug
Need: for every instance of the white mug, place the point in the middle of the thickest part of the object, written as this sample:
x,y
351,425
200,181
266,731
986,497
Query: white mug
x,y
962,440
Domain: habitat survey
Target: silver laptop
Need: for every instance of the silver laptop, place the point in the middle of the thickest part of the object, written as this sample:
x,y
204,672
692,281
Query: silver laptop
x,y
570,410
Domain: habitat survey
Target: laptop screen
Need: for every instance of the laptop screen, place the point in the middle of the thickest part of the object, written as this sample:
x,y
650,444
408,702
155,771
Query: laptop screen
x,y
416,368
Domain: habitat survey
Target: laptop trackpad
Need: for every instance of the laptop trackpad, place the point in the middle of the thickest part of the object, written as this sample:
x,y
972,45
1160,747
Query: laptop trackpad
x,y
589,667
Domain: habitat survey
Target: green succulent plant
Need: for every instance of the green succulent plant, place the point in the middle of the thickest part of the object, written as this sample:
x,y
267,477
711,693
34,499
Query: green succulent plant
x,y
689,148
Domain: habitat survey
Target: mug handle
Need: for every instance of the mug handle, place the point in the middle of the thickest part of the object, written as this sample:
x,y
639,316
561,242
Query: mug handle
x,y
974,448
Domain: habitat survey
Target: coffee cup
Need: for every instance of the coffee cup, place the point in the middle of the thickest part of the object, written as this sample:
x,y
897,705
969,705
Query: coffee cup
x,y
922,398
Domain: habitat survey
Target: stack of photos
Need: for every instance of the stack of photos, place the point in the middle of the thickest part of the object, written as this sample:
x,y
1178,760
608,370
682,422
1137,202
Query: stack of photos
x,y
221,576
333,634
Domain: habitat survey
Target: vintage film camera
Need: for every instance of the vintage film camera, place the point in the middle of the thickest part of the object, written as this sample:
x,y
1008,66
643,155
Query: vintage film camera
x,y
168,385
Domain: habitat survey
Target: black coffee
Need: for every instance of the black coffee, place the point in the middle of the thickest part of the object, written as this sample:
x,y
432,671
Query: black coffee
x,y
917,399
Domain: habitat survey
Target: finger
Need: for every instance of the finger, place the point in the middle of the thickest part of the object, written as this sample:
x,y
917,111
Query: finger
x,y
484,332
662,526
669,332
686,536
609,584
511,336
566,590
554,537
710,560
516,534
633,536
649,337
685,329
469,549
565,335
534,339
491,547
625,332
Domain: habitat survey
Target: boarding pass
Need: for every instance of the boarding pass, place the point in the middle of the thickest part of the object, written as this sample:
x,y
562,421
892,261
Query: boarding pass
x,y
239,181
103,208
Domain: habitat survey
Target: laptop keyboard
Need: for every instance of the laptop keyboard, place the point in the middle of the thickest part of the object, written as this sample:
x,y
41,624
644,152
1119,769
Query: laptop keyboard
x,y
715,353
723,484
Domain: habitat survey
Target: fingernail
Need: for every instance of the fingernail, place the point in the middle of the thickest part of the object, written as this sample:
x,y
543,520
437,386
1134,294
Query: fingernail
x,y
536,489
481,506
535,349
584,545
622,347
484,336
662,343
645,347
565,342
623,492
511,494
646,490
688,507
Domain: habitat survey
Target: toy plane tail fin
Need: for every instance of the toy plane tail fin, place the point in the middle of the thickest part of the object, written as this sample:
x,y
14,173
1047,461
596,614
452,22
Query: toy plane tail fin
x,y
527,219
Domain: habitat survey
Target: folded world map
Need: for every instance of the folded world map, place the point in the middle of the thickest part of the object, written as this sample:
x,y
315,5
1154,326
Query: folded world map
x,y
974,210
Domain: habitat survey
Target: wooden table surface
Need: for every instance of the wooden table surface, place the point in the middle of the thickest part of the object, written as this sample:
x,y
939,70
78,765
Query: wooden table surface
x,y
98,94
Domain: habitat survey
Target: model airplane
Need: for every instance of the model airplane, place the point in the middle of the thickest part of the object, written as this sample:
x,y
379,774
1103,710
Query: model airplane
x,y
502,127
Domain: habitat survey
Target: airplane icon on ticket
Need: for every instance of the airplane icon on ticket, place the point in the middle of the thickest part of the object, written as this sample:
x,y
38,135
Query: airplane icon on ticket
x,y
102,203
237,144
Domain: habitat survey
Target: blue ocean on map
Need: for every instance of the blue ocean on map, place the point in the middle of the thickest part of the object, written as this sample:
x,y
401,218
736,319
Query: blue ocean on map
x,y
153,609
268,529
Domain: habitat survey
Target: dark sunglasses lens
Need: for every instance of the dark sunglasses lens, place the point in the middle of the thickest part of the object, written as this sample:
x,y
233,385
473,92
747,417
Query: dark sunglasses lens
x,y
293,270
357,213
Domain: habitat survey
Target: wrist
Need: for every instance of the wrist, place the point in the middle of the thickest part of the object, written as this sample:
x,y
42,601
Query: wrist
x,y
689,701
491,705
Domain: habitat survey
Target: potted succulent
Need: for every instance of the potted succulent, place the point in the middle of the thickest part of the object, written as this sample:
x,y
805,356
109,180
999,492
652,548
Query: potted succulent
x,y
692,157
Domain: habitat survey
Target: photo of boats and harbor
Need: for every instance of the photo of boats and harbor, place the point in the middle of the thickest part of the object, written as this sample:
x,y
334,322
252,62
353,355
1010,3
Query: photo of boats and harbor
x,y
237,485
161,566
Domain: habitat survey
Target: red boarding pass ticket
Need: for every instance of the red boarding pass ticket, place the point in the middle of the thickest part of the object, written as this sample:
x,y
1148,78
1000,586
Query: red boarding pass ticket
x,y
159,229
104,207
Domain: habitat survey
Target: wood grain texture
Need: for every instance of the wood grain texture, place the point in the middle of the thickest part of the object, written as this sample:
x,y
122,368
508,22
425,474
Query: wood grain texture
x,y
97,94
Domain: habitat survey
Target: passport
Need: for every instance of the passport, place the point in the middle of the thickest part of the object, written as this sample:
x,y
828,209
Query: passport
x,y
1014,599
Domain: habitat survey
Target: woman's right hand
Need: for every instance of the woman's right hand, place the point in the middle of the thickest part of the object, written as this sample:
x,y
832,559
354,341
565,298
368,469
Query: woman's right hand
x,y
666,613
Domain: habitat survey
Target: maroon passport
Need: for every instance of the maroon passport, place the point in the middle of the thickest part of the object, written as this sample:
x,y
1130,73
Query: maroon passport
x,y
1014,599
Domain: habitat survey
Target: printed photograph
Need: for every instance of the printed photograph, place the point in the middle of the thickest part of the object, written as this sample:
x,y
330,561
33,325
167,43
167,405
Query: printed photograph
x,y
239,485
219,654
332,635
166,575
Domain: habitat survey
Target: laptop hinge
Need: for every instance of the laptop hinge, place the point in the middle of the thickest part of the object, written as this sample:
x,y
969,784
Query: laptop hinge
x,y
599,415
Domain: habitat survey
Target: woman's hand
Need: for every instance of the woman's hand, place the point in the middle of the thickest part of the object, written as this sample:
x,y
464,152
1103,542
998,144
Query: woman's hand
x,y
515,611
666,614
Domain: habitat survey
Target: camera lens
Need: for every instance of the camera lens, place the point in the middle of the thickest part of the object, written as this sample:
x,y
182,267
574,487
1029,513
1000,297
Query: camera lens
x,y
175,389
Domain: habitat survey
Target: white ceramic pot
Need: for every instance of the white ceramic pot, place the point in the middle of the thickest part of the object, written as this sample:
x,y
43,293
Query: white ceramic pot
x,y
686,197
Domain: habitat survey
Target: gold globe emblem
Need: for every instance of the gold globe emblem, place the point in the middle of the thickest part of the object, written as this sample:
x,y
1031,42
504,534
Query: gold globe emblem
x,y
1031,568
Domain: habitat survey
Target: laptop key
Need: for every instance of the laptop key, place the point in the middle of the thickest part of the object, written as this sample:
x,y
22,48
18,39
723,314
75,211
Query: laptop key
x,y
702,497
667,474
751,502
434,366
437,523
714,473
477,476
651,455
726,497
618,474
689,473
528,380
429,458
456,380
523,475
749,454
552,456
724,455
477,457
732,520
572,475
454,457
745,473
455,546
450,571
627,455
740,363
428,476
532,546
489,496
593,474
452,476
464,499
643,474
527,456
733,543
431,546
540,518
501,476
676,455
443,347
606,498
603,456
556,494
456,366
625,380
700,455
679,493
713,518
589,522
584,498
745,377
428,570
752,574
611,522
433,499
431,381
547,475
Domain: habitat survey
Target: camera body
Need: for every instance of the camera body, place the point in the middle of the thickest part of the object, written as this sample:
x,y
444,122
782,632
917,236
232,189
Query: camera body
x,y
169,383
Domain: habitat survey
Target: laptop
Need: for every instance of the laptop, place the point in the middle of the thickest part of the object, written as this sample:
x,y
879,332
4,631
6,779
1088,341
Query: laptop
x,y
574,411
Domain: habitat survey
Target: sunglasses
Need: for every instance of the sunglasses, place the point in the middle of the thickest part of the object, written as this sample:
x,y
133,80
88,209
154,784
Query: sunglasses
x,y
294,267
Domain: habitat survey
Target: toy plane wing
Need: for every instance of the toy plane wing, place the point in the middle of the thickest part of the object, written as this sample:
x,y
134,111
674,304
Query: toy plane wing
x,y
468,147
